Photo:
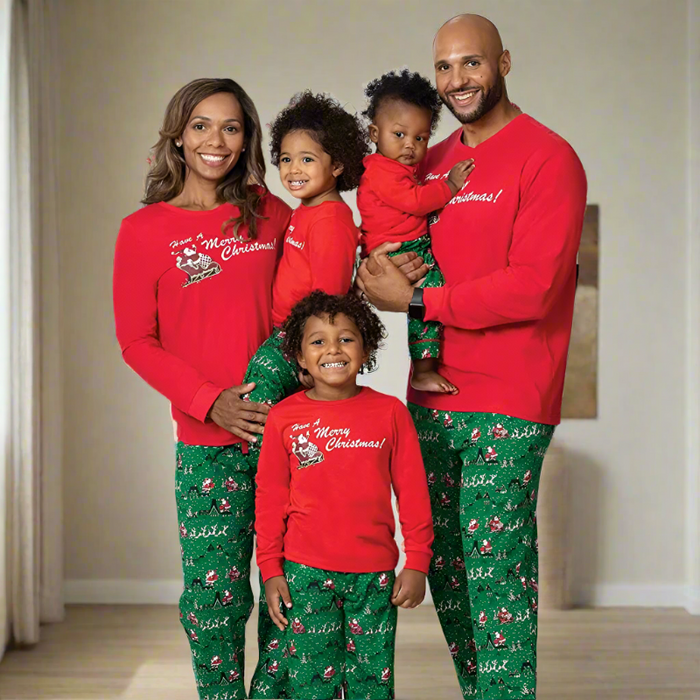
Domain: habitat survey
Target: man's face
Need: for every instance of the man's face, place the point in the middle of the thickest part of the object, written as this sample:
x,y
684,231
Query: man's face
x,y
467,74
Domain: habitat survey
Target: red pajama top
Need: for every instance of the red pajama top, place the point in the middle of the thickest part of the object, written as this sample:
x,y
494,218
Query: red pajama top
x,y
507,246
393,205
319,253
192,304
324,483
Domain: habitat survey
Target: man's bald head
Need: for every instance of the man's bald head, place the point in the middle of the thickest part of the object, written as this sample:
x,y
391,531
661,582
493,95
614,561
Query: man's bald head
x,y
470,66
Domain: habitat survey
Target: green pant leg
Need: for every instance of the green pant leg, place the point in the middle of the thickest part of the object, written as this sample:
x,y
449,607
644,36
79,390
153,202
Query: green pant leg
x,y
215,505
502,461
275,375
447,576
370,636
424,336
315,642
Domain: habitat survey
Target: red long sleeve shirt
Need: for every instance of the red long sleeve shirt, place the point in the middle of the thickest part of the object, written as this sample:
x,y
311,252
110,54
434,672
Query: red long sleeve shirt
x,y
192,306
319,253
324,483
393,205
507,246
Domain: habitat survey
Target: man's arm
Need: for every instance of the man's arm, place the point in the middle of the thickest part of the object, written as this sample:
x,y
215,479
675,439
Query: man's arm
x,y
542,256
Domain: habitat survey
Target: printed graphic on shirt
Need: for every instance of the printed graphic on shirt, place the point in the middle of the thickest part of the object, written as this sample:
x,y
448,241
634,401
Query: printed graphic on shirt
x,y
305,451
290,240
196,266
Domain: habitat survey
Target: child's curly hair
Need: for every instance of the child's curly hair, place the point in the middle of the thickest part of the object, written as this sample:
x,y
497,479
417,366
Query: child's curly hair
x,y
408,87
320,304
339,133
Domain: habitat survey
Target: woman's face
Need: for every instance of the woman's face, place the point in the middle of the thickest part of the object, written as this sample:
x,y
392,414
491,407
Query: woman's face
x,y
214,137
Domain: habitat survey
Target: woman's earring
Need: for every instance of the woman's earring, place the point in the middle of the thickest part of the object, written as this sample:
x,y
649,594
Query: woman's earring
x,y
178,143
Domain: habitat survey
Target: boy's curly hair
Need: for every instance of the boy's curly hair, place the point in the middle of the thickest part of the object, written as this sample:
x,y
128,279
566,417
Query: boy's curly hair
x,y
339,133
408,87
320,304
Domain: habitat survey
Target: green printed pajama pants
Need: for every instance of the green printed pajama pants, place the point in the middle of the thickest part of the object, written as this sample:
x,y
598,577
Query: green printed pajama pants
x,y
423,336
215,495
340,637
275,375
483,475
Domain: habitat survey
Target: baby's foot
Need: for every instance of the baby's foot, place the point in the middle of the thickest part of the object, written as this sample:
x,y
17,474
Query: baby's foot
x,y
432,381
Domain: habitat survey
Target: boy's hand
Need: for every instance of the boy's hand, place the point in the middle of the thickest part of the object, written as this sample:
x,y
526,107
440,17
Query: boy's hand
x,y
459,174
409,589
276,588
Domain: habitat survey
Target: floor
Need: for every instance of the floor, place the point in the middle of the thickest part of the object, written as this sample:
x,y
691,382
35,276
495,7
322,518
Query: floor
x,y
139,653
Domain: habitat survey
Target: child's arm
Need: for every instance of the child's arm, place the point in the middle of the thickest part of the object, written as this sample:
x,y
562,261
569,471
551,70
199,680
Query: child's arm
x,y
411,488
332,250
403,193
271,501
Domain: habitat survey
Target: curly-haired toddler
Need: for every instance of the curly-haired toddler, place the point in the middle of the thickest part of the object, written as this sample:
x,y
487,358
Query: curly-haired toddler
x,y
404,109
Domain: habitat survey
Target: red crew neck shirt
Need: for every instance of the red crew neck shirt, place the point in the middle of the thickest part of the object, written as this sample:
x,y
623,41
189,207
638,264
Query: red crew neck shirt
x,y
319,252
507,246
393,205
324,483
192,305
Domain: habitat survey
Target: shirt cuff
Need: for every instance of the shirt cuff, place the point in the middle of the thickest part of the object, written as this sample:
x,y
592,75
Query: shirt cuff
x,y
433,299
420,561
203,400
271,567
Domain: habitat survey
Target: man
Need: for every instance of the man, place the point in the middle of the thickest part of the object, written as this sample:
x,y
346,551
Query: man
x,y
507,246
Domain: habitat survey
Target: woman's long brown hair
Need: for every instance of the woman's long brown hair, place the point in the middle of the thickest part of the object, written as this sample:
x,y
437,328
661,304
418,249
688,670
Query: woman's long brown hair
x,y
166,177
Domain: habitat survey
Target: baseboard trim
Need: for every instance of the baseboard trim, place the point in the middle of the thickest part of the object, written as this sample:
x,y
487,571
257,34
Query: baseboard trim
x,y
167,592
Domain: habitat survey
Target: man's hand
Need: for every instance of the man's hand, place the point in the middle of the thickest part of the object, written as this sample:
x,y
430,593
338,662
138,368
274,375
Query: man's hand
x,y
276,589
382,282
242,418
409,589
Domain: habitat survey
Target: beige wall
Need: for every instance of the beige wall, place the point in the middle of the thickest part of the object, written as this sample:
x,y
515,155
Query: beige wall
x,y
608,76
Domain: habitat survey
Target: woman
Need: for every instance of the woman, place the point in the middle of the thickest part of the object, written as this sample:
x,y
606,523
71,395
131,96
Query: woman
x,y
193,276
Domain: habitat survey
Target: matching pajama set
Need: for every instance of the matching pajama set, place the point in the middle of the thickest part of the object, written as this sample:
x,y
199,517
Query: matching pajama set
x,y
507,246
394,208
320,248
325,521
192,305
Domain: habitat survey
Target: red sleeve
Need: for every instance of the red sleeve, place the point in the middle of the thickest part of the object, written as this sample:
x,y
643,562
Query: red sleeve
x,y
411,488
272,500
542,256
136,319
332,250
402,192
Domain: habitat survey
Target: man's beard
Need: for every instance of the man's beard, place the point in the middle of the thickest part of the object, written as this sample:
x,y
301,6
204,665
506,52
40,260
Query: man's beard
x,y
490,98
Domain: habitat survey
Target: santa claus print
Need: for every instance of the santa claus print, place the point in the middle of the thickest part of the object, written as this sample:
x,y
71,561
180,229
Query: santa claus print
x,y
274,644
448,481
499,432
183,530
193,636
196,266
485,547
233,574
435,415
431,479
328,585
227,598
215,662
458,563
483,619
473,526
207,485
498,640
438,563
305,451
351,646
471,667
328,672
454,649
386,674
533,585
231,484
444,500
354,626
383,581
273,667
476,434
453,583
191,617
447,423
233,675
491,454
297,627
504,617
211,578
495,524
527,476
224,506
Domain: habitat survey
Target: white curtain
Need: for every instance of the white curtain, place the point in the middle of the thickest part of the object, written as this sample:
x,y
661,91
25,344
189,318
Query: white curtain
x,y
31,557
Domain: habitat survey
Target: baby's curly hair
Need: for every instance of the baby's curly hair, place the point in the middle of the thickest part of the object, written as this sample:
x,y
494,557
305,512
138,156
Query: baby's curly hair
x,y
319,304
408,87
340,134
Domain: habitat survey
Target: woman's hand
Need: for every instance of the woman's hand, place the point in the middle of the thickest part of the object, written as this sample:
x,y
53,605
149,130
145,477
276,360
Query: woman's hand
x,y
276,589
409,589
242,418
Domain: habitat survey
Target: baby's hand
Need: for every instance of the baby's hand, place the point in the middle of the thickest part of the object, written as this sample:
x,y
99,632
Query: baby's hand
x,y
276,588
409,589
459,174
